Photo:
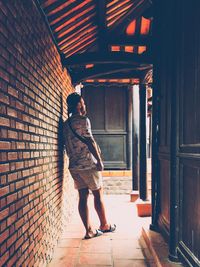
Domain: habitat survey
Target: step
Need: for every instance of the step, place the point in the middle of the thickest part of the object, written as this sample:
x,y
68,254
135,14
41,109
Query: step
x,y
158,248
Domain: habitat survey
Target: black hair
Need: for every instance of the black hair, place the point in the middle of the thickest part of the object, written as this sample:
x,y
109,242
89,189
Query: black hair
x,y
72,101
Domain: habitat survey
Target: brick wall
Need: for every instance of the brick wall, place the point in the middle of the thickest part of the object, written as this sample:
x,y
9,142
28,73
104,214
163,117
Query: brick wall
x,y
36,193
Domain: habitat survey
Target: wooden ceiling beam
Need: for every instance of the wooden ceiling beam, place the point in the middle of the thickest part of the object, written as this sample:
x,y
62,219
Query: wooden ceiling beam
x,y
122,75
136,11
109,57
99,71
129,40
101,23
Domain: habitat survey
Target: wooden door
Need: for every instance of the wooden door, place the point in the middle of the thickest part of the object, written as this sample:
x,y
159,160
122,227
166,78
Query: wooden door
x,y
188,104
107,110
177,87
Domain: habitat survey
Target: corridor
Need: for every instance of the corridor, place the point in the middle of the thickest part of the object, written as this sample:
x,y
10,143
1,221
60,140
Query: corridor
x,y
123,248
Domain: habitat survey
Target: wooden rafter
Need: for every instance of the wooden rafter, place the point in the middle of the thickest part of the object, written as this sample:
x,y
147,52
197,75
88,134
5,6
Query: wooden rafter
x,y
73,18
80,49
77,37
67,37
136,11
86,38
65,12
55,5
73,26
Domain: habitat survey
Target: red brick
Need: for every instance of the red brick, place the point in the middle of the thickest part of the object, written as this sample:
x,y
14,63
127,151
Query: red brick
x,y
12,91
26,136
11,240
4,122
11,198
19,165
3,133
5,145
19,242
4,98
4,213
3,74
12,134
19,126
11,219
4,236
3,156
20,145
4,258
12,177
26,155
4,167
20,106
12,261
12,112
12,156
3,180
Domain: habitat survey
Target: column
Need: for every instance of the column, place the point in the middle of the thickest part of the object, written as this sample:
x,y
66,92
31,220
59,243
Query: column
x,y
143,143
135,138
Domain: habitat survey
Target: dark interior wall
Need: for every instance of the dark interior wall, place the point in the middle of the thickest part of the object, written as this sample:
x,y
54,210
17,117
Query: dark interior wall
x,y
177,74
163,82
35,190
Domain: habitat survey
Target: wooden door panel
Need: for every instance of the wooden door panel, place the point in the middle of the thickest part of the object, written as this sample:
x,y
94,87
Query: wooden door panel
x,y
113,150
115,102
165,193
95,101
190,180
189,130
107,110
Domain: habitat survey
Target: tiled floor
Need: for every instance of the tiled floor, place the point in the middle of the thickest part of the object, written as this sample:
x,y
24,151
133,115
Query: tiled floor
x,y
123,248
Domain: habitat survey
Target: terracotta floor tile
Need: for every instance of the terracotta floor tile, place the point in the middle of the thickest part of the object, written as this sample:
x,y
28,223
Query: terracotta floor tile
x,y
73,235
130,263
127,243
69,242
126,253
64,257
96,247
92,258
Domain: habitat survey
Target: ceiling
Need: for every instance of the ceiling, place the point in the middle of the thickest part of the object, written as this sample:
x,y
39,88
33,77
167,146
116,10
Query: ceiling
x,y
102,40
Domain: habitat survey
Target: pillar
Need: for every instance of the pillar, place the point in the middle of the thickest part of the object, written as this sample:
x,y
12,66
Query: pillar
x,y
135,138
143,143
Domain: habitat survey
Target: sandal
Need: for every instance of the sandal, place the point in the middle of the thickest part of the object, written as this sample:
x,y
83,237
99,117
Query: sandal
x,y
111,229
98,233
